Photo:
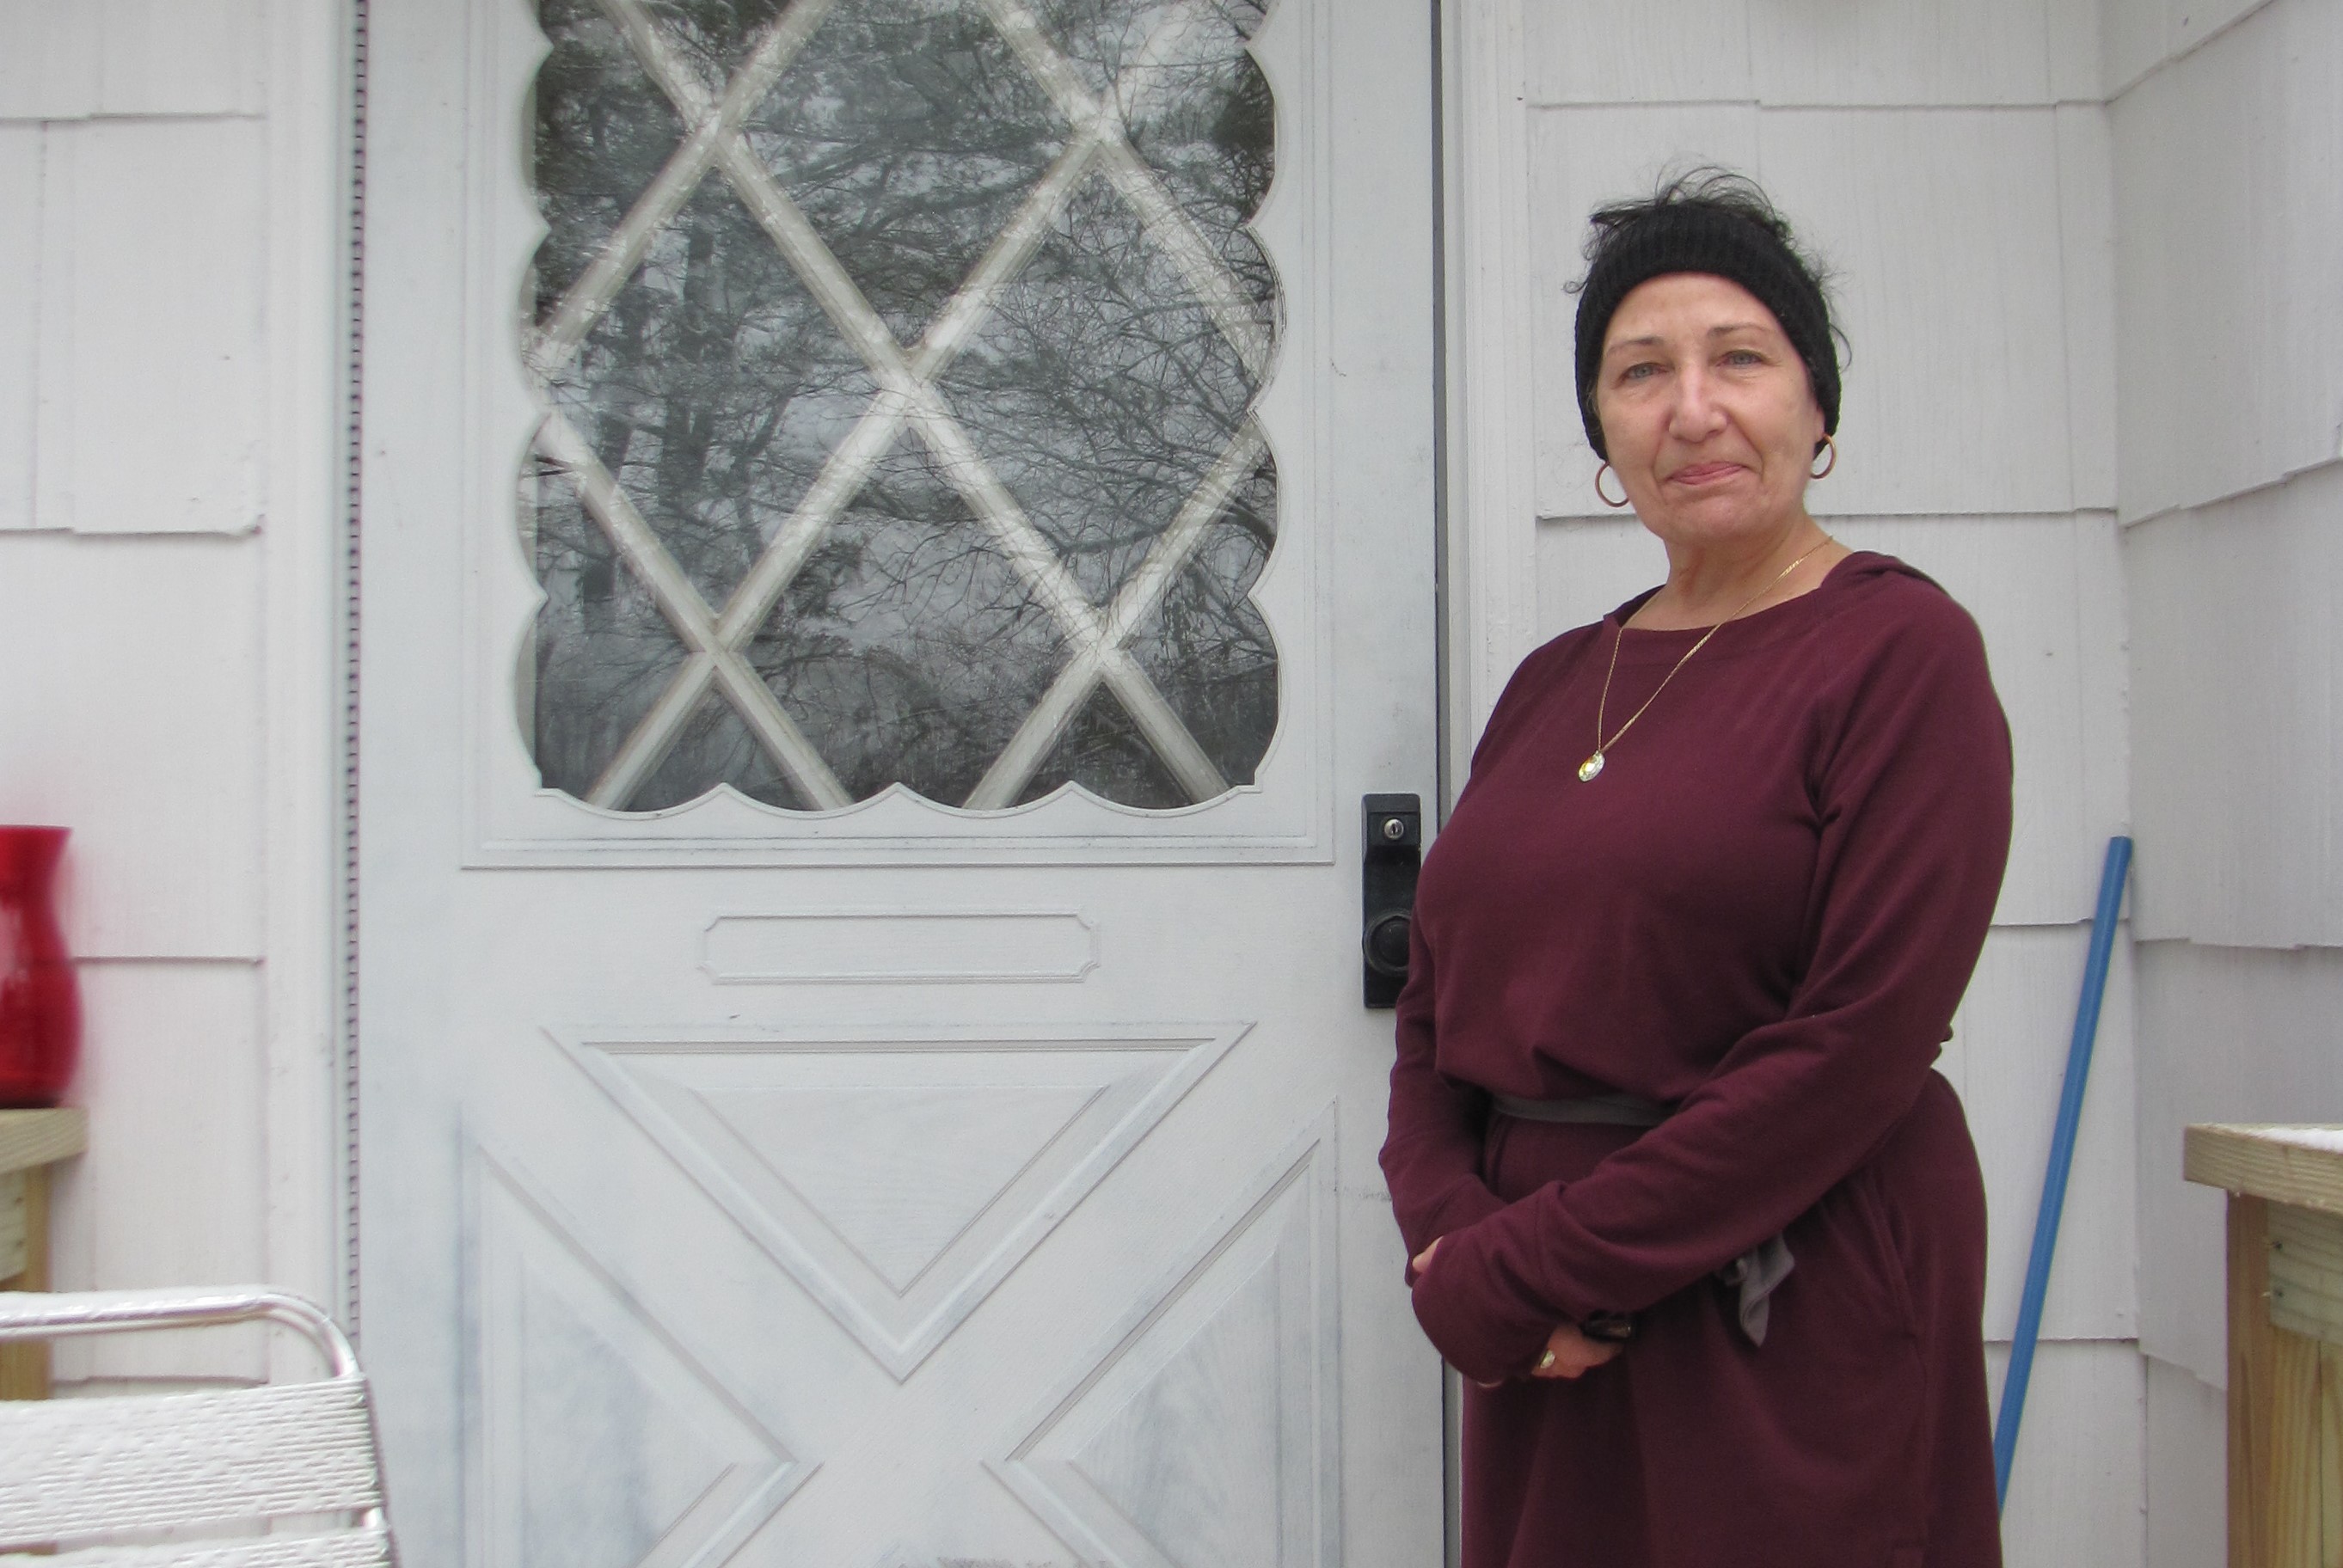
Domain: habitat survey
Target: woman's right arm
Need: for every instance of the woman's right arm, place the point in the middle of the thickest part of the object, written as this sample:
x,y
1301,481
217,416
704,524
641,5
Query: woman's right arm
x,y
1432,1157
1432,1154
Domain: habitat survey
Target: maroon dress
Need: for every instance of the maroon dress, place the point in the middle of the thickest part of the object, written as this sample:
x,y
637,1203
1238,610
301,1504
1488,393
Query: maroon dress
x,y
1761,913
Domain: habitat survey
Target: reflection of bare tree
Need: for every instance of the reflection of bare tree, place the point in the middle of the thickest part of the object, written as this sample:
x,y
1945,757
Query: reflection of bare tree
x,y
1100,393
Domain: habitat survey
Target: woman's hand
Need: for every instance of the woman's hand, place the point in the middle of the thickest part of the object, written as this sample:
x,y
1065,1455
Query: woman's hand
x,y
1568,1353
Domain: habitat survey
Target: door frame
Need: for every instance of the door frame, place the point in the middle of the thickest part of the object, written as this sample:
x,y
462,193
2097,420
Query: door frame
x,y
1484,403
1489,410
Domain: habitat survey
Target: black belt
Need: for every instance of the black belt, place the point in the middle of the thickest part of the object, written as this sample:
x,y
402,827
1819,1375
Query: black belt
x,y
1754,1274
1617,1110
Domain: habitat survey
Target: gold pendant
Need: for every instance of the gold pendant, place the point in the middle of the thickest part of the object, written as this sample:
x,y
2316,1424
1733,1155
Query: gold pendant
x,y
1590,767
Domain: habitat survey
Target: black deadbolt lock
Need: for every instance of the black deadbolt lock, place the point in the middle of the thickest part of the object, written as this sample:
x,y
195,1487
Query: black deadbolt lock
x,y
1395,834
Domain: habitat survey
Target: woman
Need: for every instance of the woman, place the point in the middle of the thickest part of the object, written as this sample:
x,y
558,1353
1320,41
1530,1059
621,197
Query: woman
x,y
1688,1203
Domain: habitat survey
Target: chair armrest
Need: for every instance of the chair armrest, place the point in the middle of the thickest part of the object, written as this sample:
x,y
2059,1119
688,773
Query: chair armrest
x,y
35,1315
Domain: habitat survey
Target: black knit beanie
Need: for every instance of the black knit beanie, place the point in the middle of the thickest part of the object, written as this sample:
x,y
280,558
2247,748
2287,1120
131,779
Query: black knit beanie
x,y
1696,237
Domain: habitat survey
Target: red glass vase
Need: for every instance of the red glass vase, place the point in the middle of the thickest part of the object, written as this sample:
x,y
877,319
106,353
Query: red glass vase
x,y
40,1002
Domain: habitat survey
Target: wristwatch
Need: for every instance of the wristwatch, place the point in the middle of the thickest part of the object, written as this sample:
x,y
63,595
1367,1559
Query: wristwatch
x,y
1610,1328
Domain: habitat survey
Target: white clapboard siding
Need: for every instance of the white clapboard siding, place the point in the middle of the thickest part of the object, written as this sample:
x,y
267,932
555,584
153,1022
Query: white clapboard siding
x,y
2236,667
131,714
2087,226
68,59
1905,52
20,263
2134,39
2187,1469
2190,22
1901,52
2077,1487
2230,276
2077,51
1936,221
50,69
1943,227
1657,52
2008,1059
2226,1034
180,57
2046,594
2143,35
153,281
172,1190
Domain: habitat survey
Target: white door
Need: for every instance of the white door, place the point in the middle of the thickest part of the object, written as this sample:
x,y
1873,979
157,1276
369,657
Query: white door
x,y
896,534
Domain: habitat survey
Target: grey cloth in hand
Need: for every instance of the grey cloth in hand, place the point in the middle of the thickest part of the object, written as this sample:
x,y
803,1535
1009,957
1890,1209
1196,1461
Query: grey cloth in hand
x,y
1754,1274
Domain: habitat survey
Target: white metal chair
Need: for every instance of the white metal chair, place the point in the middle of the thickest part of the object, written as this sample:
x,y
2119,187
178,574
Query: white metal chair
x,y
122,1482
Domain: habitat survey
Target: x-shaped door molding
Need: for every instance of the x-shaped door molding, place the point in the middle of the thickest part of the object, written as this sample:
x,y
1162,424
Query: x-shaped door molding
x,y
907,396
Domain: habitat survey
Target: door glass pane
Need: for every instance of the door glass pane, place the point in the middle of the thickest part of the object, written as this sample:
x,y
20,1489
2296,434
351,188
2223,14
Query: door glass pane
x,y
899,358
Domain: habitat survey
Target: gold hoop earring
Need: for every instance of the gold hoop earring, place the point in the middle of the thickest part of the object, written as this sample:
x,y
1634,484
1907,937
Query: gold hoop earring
x,y
1832,448
1614,506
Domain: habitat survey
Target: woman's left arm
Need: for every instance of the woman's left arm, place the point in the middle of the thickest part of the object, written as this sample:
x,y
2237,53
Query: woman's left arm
x,y
1912,778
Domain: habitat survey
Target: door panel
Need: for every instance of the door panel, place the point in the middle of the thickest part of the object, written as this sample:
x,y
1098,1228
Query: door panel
x,y
862,1057
898,1178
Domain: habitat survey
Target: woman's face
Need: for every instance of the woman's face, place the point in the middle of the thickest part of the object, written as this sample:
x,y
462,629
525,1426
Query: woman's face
x,y
1708,412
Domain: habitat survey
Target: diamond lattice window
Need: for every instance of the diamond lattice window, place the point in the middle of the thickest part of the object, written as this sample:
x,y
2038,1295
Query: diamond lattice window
x,y
899,358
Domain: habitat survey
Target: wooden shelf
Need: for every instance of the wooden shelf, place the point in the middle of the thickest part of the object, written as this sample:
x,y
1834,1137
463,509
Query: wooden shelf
x,y
30,1143
2302,1166
2285,1336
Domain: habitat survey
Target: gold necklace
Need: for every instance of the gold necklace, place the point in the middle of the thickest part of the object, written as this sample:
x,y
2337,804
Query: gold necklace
x,y
1594,765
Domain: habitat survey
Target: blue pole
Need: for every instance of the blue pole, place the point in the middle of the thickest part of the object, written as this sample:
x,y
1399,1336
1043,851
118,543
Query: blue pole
x,y
2062,1159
